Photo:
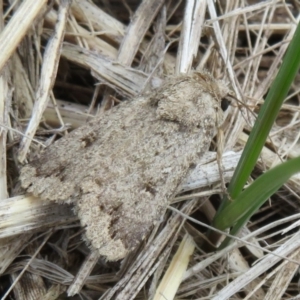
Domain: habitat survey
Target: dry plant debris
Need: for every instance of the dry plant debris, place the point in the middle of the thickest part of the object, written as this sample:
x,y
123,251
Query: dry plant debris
x,y
65,63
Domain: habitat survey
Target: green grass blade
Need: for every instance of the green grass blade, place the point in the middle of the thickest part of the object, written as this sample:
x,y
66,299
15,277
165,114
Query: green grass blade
x,y
262,127
267,116
249,201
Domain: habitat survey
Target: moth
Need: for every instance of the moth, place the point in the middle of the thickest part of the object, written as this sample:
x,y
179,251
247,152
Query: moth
x,y
121,169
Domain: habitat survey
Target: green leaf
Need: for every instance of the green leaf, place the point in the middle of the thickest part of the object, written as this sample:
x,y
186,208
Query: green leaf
x,y
251,199
236,212
266,117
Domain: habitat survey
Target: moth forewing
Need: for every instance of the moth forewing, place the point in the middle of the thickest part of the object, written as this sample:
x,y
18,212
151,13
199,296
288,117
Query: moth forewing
x,y
122,179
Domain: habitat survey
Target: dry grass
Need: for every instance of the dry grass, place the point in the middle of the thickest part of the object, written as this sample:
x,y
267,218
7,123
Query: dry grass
x,y
63,63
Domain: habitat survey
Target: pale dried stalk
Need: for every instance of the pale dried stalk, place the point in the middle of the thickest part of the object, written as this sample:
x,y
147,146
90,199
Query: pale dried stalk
x,y
193,22
257,251
17,27
47,269
84,271
230,34
54,292
283,277
23,90
23,214
91,39
264,265
153,56
265,84
278,28
127,80
72,113
253,65
101,22
168,287
197,268
5,99
243,10
48,75
20,217
138,27
109,27
264,51
206,172
278,286
238,264
25,268
222,47
89,13
30,285
10,249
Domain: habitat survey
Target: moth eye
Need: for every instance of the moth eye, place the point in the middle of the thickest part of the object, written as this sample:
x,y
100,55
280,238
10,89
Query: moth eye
x,y
224,104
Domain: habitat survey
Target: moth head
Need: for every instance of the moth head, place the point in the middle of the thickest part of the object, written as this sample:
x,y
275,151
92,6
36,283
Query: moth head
x,y
193,100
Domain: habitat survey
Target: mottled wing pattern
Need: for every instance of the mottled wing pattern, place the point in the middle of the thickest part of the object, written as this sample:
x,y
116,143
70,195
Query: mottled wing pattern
x,y
120,170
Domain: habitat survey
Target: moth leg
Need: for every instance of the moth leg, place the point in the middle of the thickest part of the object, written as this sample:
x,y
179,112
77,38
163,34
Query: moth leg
x,y
220,145
220,148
